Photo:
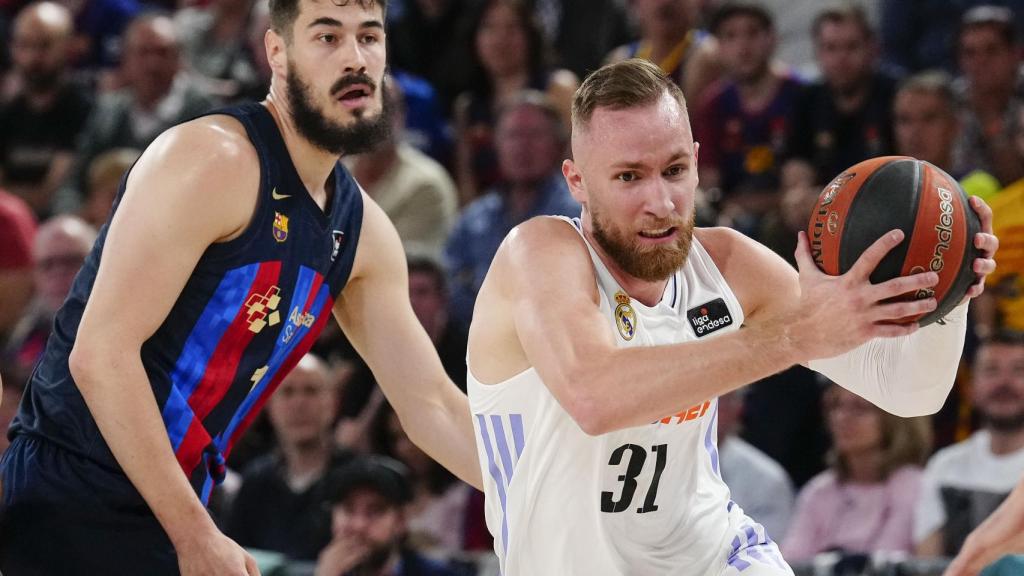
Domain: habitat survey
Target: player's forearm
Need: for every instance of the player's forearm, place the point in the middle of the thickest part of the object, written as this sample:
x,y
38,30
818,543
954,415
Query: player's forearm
x,y
907,376
116,389
442,426
677,381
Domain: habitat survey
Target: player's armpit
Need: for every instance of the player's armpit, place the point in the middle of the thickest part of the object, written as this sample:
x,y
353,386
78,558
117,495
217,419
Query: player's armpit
x,y
375,312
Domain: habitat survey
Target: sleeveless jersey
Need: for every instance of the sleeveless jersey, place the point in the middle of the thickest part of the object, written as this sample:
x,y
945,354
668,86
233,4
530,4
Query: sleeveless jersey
x,y
251,309
643,500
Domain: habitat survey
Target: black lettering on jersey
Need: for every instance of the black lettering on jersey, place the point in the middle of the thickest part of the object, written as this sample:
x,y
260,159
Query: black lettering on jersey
x,y
709,317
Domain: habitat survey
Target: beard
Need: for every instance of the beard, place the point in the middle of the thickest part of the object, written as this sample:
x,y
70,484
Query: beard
x,y
1006,396
361,135
646,263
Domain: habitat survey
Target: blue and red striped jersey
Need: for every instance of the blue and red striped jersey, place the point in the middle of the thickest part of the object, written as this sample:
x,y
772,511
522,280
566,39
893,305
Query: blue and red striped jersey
x,y
251,309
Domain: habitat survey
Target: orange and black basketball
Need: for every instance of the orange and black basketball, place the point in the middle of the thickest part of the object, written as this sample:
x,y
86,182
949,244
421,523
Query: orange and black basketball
x,y
890,192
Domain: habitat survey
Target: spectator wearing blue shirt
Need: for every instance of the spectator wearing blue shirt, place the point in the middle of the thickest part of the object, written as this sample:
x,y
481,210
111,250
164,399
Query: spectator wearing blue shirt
x,y
531,142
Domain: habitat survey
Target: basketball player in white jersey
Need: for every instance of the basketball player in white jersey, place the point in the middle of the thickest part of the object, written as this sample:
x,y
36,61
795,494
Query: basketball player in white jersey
x,y
599,345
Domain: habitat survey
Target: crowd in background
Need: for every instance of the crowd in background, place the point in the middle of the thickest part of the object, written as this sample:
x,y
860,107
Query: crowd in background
x,y
782,95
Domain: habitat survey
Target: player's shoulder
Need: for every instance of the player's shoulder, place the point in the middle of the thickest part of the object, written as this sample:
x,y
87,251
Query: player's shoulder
x,y
207,153
543,234
212,140
724,244
540,247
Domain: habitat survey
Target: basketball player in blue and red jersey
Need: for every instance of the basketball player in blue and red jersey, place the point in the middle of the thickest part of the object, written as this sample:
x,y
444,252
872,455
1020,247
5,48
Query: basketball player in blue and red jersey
x,y
233,240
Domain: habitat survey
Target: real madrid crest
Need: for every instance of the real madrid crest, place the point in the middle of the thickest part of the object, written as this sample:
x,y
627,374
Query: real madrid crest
x,y
625,316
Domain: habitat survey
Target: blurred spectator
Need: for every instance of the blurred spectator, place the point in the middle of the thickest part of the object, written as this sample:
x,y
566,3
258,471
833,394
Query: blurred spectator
x,y
41,121
213,43
741,122
413,190
258,86
428,294
60,247
847,116
530,142
431,39
157,95
17,233
966,482
920,35
99,29
509,56
864,502
582,32
103,179
793,19
1001,306
282,503
992,93
669,37
370,498
437,515
10,397
756,482
426,127
925,120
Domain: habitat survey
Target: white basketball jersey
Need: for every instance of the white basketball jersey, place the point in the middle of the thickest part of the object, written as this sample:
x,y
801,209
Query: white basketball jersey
x,y
641,501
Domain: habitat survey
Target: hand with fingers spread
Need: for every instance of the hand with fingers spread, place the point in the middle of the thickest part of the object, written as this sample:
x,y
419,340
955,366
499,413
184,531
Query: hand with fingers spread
x,y
987,243
838,313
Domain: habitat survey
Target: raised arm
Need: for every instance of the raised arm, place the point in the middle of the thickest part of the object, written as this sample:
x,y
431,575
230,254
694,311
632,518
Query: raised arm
x,y
375,312
195,185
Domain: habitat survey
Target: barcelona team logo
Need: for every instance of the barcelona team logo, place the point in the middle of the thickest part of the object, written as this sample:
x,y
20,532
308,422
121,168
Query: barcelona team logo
x,y
625,317
280,227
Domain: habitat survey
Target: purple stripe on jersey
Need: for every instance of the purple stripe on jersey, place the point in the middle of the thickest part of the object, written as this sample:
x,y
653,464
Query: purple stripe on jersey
x,y
517,434
506,456
751,533
736,543
492,467
300,298
738,563
709,441
220,311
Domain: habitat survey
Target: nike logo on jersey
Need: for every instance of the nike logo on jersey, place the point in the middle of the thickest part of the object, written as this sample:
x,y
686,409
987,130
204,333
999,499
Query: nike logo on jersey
x,y
276,196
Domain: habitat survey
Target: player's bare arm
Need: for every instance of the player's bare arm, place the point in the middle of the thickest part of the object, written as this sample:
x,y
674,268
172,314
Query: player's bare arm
x,y
791,319
1000,534
376,315
196,185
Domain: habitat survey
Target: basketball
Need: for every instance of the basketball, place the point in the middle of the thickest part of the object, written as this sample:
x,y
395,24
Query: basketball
x,y
882,194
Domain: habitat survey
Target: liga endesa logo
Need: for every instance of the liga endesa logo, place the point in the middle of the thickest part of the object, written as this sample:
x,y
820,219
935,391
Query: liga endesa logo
x,y
709,317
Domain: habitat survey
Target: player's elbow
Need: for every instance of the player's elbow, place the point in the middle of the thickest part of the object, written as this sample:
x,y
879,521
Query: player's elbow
x,y
585,406
89,361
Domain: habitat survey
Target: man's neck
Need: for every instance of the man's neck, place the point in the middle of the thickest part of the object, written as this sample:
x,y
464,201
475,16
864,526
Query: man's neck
x,y
521,198
302,460
853,98
314,165
1003,442
662,45
756,92
648,293
990,103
